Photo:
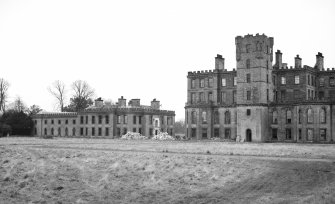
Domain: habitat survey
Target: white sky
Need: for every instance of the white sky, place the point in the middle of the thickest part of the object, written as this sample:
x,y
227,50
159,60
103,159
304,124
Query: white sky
x,y
144,49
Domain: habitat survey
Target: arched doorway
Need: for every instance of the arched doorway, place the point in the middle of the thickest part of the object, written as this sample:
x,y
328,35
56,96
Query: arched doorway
x,y
248,135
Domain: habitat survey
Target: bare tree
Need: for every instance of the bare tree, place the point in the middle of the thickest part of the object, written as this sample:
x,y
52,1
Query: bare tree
x,y
58,91
4,85
19,105
82,95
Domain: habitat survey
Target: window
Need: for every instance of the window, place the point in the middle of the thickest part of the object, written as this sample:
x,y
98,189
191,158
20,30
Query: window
x,y
52,131
66,122
248,78
99,119
73,122
309,134
52,122
223,82
118,120
45,121
274,117
59,122
93,119
223,97
202,83
309,94
150,131
267,94
139,119
93,131
296,79
274,80
134,119
73,131
124,131
210,96
299,116
86,131
288,134
235,81
216,132
322,115
288,117
267,64
283,80
274,134
193,98
210,82
267,78
59,132
107,119
202,97
234,96
106,131
216,117
194,117
227,117
248,48
204,117
323,134
309,116
321,95
248,112
99,131
81,131
248,95
45,131
331,81
86,119
204,133
283,94
193,83
227,133
66,132
140,130
118,132
248,63
322,82
300,134
81,119
150,120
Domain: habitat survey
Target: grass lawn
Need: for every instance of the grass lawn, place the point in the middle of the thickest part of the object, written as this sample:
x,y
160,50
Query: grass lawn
x,y
63,170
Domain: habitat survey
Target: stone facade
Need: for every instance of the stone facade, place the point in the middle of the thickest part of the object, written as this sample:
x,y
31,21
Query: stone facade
x,y
261,100
105,119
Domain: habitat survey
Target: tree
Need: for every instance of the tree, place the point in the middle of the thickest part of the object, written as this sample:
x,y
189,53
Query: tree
x,y
18,122
33,110
82,96
19,105
179,126
4,85
58,91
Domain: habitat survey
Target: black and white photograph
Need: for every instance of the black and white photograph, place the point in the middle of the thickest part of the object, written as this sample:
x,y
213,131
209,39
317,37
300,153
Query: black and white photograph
x,y
172,102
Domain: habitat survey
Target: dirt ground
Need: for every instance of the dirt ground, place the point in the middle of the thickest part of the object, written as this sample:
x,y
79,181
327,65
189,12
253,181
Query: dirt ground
x,y
63,170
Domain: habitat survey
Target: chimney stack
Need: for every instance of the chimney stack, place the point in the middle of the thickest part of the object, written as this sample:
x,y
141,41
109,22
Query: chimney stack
x,y
278,59
155,104
98,102
219,62
297,62
319,61
122,102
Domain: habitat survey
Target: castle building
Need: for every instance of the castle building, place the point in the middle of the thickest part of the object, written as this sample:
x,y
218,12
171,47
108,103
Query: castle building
x,y
106,119
260,100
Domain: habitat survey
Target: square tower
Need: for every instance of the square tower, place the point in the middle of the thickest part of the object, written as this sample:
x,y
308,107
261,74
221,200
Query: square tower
x,y
254,56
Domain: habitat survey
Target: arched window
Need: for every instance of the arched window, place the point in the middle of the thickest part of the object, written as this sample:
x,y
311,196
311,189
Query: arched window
x,y
59,132
323,115
194,117
204,117
45,131
66,132
274,117
248,63
288,117
227,117
300,116
309,116
52,131
216,117
73,131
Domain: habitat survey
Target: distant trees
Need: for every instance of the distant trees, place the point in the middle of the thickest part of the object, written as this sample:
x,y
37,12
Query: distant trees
x,y
33,110
4,85
179,126
57,89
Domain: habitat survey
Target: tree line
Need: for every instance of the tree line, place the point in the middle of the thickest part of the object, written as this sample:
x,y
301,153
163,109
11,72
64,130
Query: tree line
x,y
16,117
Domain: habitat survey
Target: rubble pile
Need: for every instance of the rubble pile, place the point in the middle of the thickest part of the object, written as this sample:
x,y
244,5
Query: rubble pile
x,y
163,136
133,136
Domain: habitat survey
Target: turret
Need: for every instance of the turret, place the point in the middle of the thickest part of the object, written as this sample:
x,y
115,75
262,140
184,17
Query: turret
x,y
122,102
155,104
134,103
297,62
319,61
98,102
219,62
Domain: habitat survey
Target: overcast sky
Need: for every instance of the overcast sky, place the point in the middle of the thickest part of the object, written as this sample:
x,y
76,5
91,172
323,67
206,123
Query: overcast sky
x,y
144,49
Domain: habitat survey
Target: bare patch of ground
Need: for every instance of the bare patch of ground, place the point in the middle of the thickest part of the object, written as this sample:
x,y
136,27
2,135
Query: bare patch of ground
x,y
115,171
